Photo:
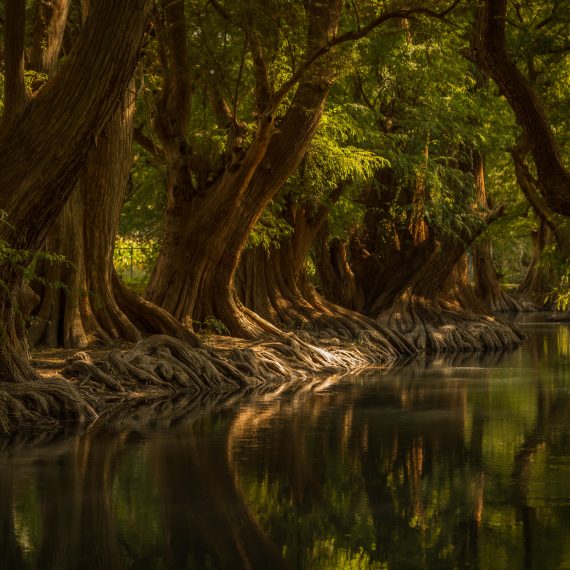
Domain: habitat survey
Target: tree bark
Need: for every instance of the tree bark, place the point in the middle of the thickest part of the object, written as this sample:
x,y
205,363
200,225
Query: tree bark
x,y
416,282
337,281
14,35
534,285
44,150
82,300
49,26
487,284
492,56
206,231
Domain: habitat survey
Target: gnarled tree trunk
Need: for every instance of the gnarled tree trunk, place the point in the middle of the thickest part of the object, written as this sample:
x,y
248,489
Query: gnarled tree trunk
x,y
207,231
337,282
41,155
81,298
492,56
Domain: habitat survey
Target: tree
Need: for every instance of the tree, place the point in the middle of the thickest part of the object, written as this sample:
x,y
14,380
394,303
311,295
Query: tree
x,y
491,53
46,145
81,297
212,208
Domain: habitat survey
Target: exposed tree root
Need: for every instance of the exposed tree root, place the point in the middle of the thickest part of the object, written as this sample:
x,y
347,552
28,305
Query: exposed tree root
x,y
445,326
44,404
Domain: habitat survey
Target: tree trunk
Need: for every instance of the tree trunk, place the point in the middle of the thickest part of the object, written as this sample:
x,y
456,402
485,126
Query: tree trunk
x,y
49,26
274,283
82,299
43,151
439,312
534,286
487,284
14,35
206,232
337,281
492,55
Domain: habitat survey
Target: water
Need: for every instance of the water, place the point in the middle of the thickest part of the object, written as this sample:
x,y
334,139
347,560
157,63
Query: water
x,y
462,464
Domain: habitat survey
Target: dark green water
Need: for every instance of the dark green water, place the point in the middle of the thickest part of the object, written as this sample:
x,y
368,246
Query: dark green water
x,y
434,465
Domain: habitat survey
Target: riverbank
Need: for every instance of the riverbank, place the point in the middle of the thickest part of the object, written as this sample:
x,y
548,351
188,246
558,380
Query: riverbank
x,y
87,386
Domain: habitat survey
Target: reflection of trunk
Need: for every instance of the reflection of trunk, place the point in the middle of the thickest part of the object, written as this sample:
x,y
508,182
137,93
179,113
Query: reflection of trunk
x,y
12,550
44,149
207,229
215,523
534,285
79,529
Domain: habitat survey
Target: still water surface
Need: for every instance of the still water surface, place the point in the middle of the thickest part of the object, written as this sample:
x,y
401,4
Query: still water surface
x,y
444,464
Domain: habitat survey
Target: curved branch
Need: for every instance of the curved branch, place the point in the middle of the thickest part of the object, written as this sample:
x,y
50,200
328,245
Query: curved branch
x,y
491,54
350,36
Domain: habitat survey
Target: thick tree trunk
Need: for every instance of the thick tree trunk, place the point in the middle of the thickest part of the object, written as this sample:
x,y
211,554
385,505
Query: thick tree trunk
x,y
49,26
274,284
438,311
43,151
82,300
337,281
487,284
206,232
14,35
272,281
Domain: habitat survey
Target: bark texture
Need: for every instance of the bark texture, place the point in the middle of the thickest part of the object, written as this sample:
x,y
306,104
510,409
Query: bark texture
x,y
534,286
487,283
41,156
208,227
414,279
273,282
492,55
82,298
49,26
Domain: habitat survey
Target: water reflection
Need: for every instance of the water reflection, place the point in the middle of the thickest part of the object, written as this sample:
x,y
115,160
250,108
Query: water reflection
x,y
440,464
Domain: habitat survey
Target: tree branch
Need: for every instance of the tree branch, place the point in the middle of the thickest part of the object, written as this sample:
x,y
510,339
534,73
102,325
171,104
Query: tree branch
x,y
148,144
350,36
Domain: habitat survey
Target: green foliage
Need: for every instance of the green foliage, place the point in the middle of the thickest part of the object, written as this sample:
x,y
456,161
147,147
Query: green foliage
x,y
211,325
270,229
134,258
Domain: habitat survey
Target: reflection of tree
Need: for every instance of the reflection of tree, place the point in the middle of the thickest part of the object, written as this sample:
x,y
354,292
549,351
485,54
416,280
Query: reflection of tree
x,y
10,549
550,411
408,472
78,520
206,518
